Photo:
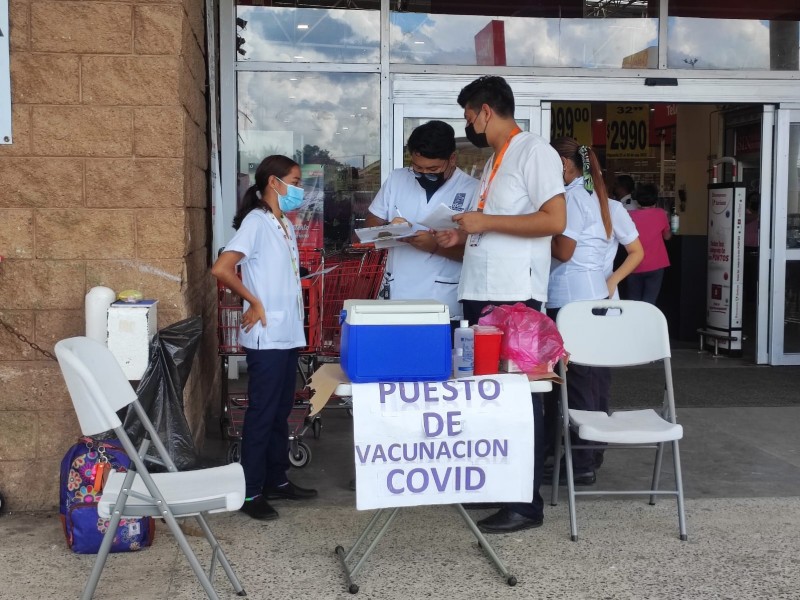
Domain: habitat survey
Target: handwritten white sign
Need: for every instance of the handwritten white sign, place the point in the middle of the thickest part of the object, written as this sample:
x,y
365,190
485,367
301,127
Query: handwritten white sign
x,y
449,442
5,77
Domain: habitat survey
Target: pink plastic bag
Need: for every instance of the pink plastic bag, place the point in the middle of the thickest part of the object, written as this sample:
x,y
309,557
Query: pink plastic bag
x,y
530,338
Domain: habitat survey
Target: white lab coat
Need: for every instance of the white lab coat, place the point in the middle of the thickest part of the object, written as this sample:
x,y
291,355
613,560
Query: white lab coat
x,y
504,267
582,277
412,274
270,271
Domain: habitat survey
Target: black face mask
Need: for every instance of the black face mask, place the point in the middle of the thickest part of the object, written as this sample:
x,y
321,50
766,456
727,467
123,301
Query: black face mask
x,y
430,182
478,139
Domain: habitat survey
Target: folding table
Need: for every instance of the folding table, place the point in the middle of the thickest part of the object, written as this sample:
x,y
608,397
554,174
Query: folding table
x,y
383,518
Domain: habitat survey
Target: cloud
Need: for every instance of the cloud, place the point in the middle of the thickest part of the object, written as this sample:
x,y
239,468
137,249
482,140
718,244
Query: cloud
x,y
718,43
322,109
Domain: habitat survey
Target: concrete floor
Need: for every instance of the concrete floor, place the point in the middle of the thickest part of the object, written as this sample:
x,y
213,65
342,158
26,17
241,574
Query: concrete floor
x,y
741,474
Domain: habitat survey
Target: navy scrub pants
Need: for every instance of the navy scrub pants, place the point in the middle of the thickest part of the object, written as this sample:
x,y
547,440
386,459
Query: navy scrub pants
x,y
272,376
535,508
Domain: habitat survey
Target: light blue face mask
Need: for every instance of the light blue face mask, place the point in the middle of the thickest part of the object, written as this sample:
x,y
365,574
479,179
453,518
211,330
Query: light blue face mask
x,y
292,199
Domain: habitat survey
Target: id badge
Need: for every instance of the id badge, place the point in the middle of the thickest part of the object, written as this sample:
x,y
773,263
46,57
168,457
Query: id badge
x,y
475,239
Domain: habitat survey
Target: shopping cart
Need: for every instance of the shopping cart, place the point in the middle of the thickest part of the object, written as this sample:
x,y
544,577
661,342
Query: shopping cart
x,y
234,403
358,275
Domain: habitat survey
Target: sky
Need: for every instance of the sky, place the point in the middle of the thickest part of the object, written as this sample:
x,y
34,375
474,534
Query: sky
x,y
340,111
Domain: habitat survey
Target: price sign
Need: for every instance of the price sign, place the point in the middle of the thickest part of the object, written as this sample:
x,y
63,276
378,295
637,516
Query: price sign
x,y
572,120
627,130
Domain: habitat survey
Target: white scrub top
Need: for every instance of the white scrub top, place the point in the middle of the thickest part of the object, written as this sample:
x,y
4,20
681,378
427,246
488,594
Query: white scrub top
x,y
582,277
270,270
504,267
624,232
413,274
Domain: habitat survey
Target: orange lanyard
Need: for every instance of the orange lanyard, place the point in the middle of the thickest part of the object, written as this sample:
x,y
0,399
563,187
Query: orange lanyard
x,y
498,159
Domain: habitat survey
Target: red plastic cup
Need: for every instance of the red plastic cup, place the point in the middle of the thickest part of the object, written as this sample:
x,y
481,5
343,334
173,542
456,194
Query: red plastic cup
x,y
487,350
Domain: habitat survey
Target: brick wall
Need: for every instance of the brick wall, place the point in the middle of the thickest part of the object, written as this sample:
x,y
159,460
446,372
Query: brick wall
x,y
105,184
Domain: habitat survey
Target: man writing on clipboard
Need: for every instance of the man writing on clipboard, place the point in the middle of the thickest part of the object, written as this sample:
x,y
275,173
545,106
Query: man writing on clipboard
x,y
420,268
521,205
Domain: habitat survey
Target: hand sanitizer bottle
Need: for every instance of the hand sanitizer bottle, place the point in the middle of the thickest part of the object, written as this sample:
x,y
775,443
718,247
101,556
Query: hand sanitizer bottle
x,y
464,341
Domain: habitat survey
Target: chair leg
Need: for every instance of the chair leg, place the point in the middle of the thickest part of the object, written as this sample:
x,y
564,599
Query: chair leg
x,y
676,459
102,555
108,537
220,554
169,518
656,473
573,517
556,465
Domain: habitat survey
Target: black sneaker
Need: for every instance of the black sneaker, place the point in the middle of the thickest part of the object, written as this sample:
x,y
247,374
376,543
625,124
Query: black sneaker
x,y
258,508
289,491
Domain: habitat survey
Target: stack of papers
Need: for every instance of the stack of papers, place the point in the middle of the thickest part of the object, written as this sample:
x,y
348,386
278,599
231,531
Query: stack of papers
x,y
385,236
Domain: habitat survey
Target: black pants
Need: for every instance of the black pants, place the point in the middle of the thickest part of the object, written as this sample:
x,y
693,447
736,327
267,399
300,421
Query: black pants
x,y
265,437
587,389
535,508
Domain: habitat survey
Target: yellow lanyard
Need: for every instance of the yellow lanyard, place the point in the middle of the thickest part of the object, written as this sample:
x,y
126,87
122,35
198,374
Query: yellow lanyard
x,y
498,159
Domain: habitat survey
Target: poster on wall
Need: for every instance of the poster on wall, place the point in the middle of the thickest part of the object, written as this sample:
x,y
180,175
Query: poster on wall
x,y
724,293
5,77
572,120
627,130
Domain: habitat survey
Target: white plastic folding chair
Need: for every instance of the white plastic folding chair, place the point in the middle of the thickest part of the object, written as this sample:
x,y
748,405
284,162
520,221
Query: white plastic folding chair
x,y
607,333
98,389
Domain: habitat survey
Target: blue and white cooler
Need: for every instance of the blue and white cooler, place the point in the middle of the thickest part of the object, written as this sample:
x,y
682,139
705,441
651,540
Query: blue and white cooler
x,y
396,340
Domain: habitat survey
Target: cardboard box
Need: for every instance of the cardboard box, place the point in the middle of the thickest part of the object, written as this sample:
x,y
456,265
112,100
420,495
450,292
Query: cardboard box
x,y
396,340
131,326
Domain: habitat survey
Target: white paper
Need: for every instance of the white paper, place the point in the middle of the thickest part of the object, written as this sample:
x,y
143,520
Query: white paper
x,y
384,232
441,218
319,272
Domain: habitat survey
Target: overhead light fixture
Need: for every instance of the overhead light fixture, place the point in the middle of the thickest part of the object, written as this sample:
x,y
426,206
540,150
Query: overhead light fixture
x,y
291,97
302,26
419,42
363,108
344,128
599,120
292,78
298,58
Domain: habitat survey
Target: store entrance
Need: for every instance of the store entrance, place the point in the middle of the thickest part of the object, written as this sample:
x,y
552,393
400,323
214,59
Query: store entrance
x,y
669,149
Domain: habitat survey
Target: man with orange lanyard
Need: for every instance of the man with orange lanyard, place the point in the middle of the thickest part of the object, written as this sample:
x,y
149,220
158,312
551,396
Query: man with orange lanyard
x,y
507,254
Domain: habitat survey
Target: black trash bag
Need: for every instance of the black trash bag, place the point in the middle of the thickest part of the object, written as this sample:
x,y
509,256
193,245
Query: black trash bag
x,y
160,391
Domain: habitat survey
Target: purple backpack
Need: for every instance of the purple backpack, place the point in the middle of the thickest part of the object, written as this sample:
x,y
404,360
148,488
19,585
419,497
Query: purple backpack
x,y
83,472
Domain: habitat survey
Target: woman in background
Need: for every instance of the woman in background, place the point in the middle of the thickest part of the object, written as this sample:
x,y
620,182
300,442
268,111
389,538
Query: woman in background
x,y
653,227
578,272
271,331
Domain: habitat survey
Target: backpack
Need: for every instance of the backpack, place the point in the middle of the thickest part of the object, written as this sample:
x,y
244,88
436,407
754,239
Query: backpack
x,y
83,471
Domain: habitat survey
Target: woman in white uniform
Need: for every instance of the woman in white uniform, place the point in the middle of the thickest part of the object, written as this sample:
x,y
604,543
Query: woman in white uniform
x,y
577,272
265,246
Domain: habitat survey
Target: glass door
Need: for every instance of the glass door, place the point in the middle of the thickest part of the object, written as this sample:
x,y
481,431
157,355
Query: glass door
x,y
469,159
785,275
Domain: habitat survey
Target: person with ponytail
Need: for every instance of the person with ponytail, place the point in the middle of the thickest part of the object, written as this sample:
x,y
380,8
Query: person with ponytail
x,y
271,329
577,272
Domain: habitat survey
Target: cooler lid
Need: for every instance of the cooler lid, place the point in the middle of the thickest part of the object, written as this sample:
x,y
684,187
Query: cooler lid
x,y
396,312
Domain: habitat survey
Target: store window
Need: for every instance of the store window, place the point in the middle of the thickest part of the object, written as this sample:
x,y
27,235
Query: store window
x,y
733,35
325,31
327,122
560,33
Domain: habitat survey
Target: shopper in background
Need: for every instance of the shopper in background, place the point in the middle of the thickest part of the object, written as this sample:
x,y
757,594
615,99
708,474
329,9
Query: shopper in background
x,y
623,190
265,246
421,268
507,255
752,216
653,227
578,272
